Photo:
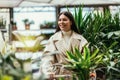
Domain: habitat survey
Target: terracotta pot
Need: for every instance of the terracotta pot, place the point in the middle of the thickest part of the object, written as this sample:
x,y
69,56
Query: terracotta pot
x,y
27,26
14,27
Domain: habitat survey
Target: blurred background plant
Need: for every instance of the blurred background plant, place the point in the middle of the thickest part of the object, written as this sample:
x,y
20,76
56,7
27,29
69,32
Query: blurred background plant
x,y
2,23
16,66
96,26
14,26
31,43
48,25
27,23
11,68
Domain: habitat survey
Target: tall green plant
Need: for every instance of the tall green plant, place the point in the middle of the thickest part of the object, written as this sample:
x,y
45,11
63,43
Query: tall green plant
x,y
102,30
95,26
81,21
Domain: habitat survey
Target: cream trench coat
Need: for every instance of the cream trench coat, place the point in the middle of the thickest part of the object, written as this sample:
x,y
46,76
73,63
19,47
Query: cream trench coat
x,y
57,43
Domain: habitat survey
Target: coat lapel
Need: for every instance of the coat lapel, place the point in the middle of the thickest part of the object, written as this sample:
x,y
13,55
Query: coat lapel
x,y
74,43
60,46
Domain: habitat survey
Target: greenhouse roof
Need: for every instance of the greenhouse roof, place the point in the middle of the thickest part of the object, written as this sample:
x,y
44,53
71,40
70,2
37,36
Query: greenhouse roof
x,y
20,3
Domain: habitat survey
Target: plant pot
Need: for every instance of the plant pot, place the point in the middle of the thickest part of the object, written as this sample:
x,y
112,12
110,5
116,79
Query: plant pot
x,y
27,26
14,27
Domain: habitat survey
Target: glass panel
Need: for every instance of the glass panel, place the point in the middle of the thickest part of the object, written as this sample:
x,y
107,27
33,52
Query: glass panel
x,y
85,9
38,14
114,9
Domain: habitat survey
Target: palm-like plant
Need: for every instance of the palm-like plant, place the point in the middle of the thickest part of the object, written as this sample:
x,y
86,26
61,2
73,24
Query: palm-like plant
x,y
101,30
82,63
95,26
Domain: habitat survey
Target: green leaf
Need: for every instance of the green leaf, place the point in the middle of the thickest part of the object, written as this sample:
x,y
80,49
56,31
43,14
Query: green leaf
x,y
94,54
78,54
86,53
70,55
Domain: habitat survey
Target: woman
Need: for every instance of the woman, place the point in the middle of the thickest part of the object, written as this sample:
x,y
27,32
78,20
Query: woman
x,y
65,39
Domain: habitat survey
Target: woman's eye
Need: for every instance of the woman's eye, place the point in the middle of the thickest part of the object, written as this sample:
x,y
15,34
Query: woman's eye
x,y
59,20
65,19
62,20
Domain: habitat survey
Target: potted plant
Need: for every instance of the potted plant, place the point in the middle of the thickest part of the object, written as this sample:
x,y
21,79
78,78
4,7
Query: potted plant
x,y
2,23
14,26
84,65
47,25
101,30
27,23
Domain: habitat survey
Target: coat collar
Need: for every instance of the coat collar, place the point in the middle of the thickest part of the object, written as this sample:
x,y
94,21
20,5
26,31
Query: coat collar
x,y
58,36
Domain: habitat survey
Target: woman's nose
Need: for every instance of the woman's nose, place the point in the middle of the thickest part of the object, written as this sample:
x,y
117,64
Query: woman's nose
x,y
61,21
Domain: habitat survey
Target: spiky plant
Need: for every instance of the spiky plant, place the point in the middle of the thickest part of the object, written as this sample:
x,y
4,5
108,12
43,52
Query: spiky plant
x,y
82,63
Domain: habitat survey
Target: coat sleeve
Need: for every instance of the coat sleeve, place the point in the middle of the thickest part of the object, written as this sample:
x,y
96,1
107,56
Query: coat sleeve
x,y
47,61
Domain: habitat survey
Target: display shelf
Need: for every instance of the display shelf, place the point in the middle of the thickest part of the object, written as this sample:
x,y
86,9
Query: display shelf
x,y
30,40
3,30
34,32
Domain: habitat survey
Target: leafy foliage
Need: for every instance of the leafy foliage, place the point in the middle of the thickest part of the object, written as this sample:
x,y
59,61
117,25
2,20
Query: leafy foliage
x,y
95,27
102,31
82,63
11,68
27,21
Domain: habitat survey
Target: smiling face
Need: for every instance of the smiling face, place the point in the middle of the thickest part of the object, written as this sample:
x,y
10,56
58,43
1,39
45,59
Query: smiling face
x,y
64,23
